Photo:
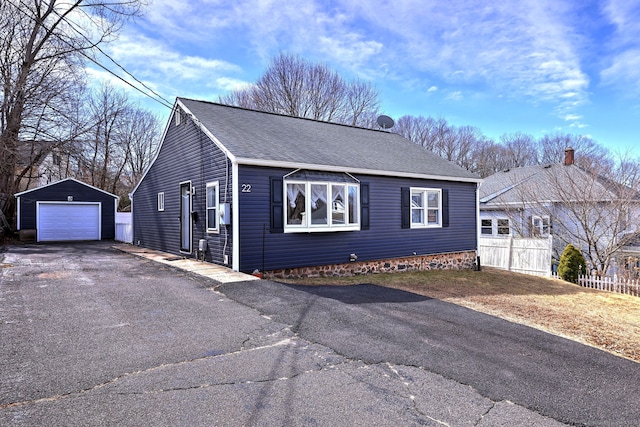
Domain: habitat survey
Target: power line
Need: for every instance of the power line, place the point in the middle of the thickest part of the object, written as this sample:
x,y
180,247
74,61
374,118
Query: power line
x,y
157,97
166,102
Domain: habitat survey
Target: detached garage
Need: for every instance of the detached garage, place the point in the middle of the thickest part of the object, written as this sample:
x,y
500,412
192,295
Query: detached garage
x,y
67,210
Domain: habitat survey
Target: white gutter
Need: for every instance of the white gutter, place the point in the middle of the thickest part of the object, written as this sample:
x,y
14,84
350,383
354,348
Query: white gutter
x,y
478,221
292,165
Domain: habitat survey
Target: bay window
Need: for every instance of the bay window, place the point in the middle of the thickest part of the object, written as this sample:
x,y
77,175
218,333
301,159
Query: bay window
x,y
321,206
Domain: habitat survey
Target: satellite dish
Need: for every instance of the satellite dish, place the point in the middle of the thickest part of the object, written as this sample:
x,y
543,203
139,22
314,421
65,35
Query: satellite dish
x,y
385,122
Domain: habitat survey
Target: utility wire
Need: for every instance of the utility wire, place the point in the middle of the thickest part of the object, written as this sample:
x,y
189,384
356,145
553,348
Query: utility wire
x,y
162,101
166,102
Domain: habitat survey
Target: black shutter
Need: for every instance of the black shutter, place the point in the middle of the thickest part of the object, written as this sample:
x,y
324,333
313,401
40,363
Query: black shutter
x,y
445,208
405,203
277,212
364,206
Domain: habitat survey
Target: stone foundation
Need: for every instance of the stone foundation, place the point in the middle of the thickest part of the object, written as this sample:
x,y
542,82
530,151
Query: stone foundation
x,y
448,261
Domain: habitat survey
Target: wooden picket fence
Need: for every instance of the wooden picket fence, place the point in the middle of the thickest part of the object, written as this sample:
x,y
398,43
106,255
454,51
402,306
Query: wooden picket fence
x,y
611,284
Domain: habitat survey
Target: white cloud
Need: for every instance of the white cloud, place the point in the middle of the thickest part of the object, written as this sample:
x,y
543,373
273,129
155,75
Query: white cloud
x,y
623,56
455,96
98,77
153,57
624,72
572,117
231,84
525,48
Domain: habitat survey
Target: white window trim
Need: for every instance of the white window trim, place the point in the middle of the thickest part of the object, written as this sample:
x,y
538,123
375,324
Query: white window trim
x,y
215,229
497,227
161,201
425,209
490,228
307,227
539,231
494,227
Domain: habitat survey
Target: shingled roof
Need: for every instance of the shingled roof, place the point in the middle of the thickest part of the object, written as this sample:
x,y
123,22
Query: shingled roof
x,y
551,183
259,138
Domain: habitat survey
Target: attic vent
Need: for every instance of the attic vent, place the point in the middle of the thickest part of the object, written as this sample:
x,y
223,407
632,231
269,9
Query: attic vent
x,y
178,116
547,166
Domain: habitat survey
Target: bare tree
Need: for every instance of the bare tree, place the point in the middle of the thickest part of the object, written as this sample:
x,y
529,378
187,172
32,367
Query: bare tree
x,y
120,143
361,104
520,149
421,130
466,140
43,43
456,144
142,132
594,209
589,152
299,88
105,148
488,157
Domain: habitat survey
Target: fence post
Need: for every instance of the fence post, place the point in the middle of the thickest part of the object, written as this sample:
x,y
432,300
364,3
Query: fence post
x,y
510,253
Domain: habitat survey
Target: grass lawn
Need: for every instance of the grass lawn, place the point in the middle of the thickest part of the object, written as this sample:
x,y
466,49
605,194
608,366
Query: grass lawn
x,y
601,319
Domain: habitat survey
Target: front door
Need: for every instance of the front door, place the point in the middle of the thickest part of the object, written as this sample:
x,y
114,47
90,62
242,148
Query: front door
x,y
185,217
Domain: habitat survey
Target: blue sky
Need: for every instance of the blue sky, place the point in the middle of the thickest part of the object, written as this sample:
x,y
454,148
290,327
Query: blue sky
x,y
535,66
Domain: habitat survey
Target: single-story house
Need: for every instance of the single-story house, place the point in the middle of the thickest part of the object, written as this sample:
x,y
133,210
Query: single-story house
x,y
293,196
66,210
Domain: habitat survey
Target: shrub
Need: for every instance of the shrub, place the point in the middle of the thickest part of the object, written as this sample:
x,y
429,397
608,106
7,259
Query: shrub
x,y
572,264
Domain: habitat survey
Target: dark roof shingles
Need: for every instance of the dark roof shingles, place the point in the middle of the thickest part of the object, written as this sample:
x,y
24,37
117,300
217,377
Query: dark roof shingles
x,y
250,134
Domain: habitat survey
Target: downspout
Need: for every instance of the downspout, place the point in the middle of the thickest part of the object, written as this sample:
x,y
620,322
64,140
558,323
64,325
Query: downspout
x,y
478,227
133,237
18,214
235,217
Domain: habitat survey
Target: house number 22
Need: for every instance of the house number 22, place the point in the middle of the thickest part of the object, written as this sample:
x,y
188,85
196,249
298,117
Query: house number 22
x,y
246,188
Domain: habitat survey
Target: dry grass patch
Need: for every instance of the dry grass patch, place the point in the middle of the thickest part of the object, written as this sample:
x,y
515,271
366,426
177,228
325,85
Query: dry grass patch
x,y
605,320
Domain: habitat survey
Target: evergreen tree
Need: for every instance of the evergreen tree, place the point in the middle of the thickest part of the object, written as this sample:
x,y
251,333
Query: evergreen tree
x,y
572,264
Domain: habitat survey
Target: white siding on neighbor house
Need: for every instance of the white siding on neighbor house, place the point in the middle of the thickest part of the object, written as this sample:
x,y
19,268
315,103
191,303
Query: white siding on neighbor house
x,y
522,255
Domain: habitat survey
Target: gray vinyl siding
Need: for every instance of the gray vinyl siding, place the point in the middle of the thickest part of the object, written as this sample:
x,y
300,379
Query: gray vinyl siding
x,y
186,154
384,239
58,193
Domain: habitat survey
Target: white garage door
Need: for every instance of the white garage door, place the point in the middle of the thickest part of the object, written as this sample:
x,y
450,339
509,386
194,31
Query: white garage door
x,y
68,221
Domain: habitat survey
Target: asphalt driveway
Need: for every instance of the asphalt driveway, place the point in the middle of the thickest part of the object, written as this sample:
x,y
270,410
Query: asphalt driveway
x,y
503,361
93,336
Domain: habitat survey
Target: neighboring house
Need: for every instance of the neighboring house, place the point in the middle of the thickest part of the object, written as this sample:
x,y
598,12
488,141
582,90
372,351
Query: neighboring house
x,y
66,210
42,162
562,200
32,159
295,196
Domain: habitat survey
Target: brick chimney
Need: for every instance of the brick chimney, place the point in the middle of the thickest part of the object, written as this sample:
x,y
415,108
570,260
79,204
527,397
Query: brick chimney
x,y
568,156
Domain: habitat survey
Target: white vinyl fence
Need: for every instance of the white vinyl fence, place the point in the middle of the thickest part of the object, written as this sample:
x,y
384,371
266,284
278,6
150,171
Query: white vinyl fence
x,y
611,284
124,227
519,254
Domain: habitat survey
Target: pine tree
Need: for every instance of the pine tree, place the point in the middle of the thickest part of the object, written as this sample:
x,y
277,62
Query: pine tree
x,y
572,264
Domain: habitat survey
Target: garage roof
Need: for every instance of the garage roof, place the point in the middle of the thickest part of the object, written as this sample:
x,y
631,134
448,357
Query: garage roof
x,y
64,180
